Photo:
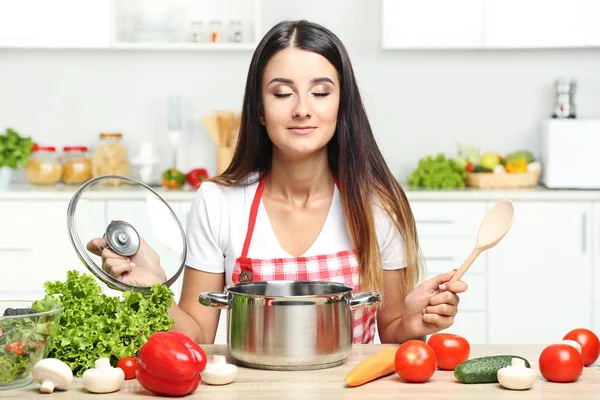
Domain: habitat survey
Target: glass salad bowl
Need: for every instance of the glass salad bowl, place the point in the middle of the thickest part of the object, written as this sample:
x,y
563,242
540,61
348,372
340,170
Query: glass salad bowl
x,y
27,330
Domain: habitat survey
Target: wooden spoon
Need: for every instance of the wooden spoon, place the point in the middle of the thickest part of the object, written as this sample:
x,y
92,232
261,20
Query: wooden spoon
x,y
235,129
493,228
212,126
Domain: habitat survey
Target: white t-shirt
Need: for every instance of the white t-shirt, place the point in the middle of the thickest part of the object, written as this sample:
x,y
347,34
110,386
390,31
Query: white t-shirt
x,y
218,222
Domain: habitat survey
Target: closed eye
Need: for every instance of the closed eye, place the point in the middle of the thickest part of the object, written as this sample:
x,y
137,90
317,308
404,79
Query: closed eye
x,y
283,95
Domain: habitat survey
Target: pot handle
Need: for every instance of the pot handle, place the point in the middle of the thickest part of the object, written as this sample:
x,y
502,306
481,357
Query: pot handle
x,y
214,299
363,299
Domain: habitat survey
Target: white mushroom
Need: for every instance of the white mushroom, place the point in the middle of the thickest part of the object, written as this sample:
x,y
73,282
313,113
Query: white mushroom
x,y
576,345
516,376
218,372
104,378
573,343
51,374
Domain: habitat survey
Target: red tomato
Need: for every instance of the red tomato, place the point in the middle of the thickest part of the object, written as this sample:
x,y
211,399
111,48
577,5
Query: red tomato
x,y
560,363
450,350
128,365
415,361
17,348
590,345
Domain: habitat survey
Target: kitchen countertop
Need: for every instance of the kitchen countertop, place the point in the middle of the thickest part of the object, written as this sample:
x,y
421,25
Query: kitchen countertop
x,y
329,383
23,191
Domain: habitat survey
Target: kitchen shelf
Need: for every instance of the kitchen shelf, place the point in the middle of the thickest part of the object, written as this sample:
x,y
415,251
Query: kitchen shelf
x,y
184,46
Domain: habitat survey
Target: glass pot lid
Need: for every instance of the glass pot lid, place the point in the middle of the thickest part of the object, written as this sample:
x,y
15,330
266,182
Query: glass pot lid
x,y
141,229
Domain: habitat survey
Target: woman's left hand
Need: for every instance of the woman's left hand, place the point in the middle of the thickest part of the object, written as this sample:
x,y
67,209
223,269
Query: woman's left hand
x,y
427,311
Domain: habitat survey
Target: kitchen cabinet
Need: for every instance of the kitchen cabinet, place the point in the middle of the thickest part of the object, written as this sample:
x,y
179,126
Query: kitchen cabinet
x,y
447,233
432,24
596,268
129,25
55,24
35,245
489,24
540,276
592,13
221,336
534,286
535,23
470,325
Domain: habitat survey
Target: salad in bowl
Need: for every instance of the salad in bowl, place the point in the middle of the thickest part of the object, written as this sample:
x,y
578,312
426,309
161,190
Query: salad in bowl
x,y
26,333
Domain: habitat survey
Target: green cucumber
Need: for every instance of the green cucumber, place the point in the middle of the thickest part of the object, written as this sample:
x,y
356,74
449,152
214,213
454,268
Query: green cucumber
x,y
484,369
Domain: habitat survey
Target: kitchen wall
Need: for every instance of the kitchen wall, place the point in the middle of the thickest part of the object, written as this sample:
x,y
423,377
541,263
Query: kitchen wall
x,y
419,102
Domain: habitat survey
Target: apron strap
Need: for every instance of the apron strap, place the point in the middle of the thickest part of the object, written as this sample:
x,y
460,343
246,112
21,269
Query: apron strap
x,y
254,212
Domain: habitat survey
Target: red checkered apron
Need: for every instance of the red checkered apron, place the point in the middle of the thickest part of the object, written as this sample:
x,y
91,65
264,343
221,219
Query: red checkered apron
x,y
341,267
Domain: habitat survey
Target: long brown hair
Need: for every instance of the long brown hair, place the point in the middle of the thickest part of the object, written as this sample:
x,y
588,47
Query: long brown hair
x,y
353,154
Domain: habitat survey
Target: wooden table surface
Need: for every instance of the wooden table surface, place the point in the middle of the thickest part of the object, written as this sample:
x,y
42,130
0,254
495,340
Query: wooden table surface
x,y
329,383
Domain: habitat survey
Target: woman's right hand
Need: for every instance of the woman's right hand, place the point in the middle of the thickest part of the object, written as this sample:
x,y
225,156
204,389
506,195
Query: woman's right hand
x,y
142,269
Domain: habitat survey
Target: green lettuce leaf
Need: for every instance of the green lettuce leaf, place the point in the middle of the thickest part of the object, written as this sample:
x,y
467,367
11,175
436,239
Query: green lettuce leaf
x,y
95,325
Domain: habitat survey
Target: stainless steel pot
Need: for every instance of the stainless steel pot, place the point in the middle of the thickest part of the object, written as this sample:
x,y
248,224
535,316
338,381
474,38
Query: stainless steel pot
x,y
289,325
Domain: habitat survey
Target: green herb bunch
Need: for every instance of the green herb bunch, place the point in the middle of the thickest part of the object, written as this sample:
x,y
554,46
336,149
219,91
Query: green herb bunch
x,y
94,325
438,172
14,149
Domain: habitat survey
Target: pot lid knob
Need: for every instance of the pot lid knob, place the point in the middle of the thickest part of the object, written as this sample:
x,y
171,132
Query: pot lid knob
x,y
122,238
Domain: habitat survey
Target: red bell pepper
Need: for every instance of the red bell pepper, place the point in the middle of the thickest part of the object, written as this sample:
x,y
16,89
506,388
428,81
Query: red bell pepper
x,y
196,176
170,364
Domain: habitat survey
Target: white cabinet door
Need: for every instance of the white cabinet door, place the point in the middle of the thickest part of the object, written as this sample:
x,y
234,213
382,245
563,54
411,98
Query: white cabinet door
x,y
470,325
431,24
221,335
180,208
447,233
56,23
535,23
35,246
540,275
592,12
596,266
443,254
184,208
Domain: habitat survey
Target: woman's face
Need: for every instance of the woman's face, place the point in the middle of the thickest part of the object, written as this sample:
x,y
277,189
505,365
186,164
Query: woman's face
x,y
300,101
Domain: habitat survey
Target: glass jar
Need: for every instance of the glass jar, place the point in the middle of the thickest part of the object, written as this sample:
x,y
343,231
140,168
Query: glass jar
x,y
197,29
235,31
215,32
110,157
43,166
76,165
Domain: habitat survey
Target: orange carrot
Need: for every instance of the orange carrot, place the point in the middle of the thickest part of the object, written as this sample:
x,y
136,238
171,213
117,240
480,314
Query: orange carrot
x,y
378,365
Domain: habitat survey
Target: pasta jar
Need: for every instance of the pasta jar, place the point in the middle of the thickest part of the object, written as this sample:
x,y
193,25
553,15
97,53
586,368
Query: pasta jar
x,y
43,166
110,157
76,165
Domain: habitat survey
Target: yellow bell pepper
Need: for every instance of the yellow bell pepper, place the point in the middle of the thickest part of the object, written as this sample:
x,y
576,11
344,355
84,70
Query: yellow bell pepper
x,y
516,166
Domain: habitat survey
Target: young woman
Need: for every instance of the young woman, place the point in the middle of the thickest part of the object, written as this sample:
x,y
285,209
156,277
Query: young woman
x,y
307,196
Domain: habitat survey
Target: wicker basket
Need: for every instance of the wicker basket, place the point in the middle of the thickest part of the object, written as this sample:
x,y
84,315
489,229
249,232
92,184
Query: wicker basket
x,y
488,180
